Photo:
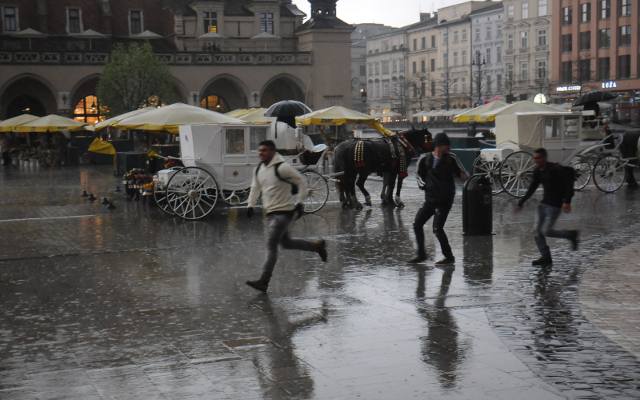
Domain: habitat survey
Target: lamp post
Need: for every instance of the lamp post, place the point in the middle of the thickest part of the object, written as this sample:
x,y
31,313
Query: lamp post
x,y
479,62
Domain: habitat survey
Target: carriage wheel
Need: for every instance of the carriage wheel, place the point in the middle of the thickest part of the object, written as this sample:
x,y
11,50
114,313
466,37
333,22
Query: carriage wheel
x,y
491,171
584,171
192,193
317,192
609,174
160,197
516,173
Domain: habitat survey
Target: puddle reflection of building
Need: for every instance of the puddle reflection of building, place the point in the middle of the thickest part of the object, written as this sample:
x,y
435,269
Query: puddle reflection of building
x,y
276,363
442,347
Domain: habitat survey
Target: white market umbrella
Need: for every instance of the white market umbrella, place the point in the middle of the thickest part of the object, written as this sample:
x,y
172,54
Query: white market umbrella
x,y
90,34
114,120
146,35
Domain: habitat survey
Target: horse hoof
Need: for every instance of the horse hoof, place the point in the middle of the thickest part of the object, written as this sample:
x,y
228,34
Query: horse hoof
x,y
400,205
368,203
358,207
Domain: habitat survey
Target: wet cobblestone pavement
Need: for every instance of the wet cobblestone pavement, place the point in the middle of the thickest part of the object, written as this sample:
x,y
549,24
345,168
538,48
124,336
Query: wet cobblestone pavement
x,y
132,304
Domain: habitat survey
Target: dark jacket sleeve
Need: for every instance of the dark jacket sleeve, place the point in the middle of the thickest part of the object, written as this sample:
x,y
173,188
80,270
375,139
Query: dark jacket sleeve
x,y
568,189
422,168
535,182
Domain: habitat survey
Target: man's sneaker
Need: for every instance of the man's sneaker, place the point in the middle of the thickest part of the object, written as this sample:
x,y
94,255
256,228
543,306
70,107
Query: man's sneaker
x,y
575,240
446,261
258,285
322,250
418,259
542,262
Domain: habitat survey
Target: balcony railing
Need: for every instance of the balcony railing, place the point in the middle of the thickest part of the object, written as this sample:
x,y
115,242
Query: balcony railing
x,y
95,58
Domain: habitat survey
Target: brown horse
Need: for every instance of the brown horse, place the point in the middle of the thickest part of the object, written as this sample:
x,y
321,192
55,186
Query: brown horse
x,y
388,157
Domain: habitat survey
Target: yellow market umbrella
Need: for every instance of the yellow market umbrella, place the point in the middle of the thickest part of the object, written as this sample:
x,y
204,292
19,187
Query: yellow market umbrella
x,y
480,114
10,124
51,123
100,146
114,120
238,112
169,118
338,115
256,116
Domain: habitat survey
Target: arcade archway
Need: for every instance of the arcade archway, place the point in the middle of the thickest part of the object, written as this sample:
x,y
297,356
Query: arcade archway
x,y
223,94
27,94
282,88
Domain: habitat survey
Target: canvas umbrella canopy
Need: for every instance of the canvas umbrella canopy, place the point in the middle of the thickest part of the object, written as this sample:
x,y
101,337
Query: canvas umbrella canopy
x,y
338,115
146,35
521,107
114,120
477,114
238,112
10,124
90,34
256,116
169,118
51,123
29,33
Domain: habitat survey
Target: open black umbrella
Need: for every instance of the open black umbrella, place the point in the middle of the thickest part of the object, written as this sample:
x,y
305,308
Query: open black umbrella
x,y
287,111
594,97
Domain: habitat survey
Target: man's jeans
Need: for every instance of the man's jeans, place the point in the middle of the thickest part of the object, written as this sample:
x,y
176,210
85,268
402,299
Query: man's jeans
x,y
278,234
439,214
547,217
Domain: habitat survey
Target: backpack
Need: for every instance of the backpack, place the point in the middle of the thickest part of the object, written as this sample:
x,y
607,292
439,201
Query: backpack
x,y
294,187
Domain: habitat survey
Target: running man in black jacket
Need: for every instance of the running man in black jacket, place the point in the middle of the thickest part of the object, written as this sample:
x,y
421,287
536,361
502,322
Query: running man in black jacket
x,y
436,173
558,192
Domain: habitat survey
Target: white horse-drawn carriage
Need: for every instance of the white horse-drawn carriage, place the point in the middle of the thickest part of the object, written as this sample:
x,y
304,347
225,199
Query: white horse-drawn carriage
x,y
219,163
510,165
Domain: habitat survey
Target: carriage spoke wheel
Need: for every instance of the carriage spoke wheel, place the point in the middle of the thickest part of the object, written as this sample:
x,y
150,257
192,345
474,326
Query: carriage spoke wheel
x,y
584,171
609,174
516,173
192,193
489,170
317,192
160,197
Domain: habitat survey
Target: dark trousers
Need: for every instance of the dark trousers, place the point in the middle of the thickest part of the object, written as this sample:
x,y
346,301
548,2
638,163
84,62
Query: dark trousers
x,y
439,212
547,217
278,234
6,158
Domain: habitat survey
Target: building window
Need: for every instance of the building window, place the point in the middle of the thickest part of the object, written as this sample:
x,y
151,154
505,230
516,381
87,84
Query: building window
x,y
414,68
455,58
394,67
488,56
10,19
433,88
585,40
136,22
455,36
423,43
498,32
624,35
499,54
464,35
542,69
525,10
605,9
464,57
477,34
604,38
542,38
89,111
584,70
363,70
524,71
524,39
566,69
433,64
266,22
624,67
510,10
433,41
585,12
489,33
214,103
415,44
603,69
625,8
542,8
385,67
210,19
567,43
488,84
566,16
499,83
423,66
510,41
74,20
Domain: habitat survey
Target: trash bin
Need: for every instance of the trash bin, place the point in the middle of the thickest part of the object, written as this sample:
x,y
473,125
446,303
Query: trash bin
x,y
477,207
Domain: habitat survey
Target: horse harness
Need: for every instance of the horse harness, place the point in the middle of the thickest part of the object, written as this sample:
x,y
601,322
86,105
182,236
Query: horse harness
x,y
396,150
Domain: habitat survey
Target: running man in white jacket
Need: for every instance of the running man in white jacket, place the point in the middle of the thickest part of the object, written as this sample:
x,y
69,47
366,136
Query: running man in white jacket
x,y
282,189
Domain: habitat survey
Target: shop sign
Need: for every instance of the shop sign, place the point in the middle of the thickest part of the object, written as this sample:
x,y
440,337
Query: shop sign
x,y
571,88
609,84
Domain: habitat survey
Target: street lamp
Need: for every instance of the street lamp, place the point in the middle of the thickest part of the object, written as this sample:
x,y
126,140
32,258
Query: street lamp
x,y
479,63
363,95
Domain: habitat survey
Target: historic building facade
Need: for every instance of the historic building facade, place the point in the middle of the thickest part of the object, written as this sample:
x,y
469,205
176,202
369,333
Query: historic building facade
x,y
527,41
596,47
223,54
487,69
422,42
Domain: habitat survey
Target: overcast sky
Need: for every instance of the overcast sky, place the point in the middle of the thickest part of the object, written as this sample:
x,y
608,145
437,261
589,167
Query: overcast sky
x,y
394,13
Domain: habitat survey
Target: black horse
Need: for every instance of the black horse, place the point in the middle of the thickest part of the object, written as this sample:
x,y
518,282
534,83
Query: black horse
x,y
388,157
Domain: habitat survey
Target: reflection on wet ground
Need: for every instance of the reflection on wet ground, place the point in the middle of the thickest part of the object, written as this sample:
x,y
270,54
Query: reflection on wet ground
x,y
131,304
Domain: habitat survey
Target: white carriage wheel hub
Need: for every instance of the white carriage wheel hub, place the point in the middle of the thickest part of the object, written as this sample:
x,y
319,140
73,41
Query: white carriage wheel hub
x,y
193,194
